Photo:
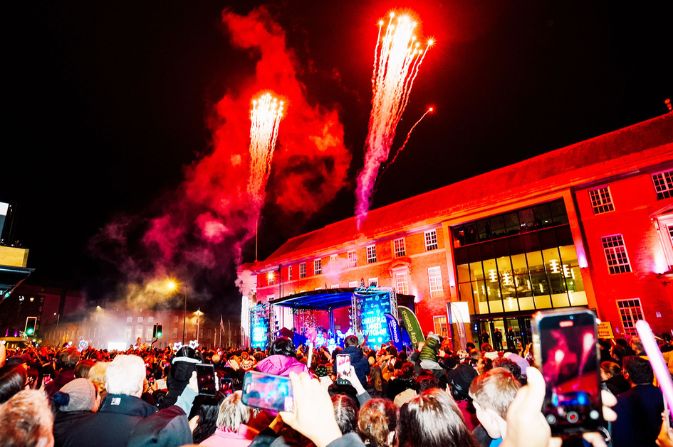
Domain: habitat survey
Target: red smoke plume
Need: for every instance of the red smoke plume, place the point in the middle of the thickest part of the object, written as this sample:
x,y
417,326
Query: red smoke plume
x,y
213,215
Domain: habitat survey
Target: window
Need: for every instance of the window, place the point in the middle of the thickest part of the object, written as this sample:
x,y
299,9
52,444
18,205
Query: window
x,y
352,259
630,311
663,184
150,319
601,200
129,319
332,258
439,325
353,284
435,281
401,282
302,270
615,254
140,319
289,273
373,282
431,240
398,247
317,266
371,254
334,286
271,278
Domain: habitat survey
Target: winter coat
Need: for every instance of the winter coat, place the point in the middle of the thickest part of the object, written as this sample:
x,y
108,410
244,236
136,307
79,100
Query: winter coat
x,y
638,417
358,361
430,349
617,384
281,365
127,420
64,424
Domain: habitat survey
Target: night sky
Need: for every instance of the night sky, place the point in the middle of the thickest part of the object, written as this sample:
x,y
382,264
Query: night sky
x,y
108,103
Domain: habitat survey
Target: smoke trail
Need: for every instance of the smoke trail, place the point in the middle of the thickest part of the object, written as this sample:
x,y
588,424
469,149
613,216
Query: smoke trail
x,y
406,140
200,229
397,60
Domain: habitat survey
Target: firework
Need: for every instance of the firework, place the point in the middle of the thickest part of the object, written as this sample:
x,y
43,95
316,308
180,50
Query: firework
x,y
406,140
265,116
397,60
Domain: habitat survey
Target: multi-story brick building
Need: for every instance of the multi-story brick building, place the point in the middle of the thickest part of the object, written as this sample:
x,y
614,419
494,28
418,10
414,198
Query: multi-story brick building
x,y
589,225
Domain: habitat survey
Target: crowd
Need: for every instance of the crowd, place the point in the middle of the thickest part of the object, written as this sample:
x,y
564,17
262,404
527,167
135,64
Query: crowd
x,y
430,396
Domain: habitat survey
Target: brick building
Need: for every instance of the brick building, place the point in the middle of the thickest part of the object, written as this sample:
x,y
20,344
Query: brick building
x,y
589,224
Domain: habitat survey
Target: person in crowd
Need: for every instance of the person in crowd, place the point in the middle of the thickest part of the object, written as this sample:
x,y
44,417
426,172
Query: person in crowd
x,y
402,381
497,339
77,400
97,377
432,419
13,378
65,366
459,379
204,423
484,364
637,346
492,393
612,378
125,419
509,365
638,409
282,359
231,426
429,354
26,420
358,359
377,423
83,367
345,412
183,366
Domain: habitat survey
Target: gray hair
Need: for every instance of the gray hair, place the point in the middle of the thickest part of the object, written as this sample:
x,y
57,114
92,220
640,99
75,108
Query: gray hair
x,y
232,413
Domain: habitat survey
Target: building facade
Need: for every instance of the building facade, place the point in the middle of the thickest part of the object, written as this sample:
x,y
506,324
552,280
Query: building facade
x,y
587,225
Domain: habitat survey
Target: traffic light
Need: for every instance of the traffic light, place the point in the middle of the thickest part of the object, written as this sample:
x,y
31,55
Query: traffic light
x,y
31,326
157,331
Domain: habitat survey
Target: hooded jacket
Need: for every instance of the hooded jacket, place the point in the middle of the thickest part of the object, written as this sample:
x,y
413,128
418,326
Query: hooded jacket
x,y
281,365
430,349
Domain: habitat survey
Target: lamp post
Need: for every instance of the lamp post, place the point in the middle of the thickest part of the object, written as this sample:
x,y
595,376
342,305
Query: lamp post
x,y
198,314
173,285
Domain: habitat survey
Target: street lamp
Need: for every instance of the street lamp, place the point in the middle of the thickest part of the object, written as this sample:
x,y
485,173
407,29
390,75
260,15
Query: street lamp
x,y
172,285
198,314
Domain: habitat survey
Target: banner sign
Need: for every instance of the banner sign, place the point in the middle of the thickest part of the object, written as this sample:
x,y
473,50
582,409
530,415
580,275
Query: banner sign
x,y
394,330
605,330
411,324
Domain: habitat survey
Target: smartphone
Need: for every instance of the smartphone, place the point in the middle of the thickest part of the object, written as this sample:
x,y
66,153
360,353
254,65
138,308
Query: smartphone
x,y
205,377
46,379
565,344
343,369
261,390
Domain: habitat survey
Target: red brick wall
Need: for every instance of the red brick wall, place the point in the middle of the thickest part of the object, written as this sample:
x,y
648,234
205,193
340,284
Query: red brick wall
x,y
635,204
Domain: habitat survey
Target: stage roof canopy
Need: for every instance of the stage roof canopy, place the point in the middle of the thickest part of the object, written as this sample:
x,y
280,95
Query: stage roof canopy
x,y
317,299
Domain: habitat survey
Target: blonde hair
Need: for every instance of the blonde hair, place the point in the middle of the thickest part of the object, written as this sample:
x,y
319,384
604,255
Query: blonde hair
x,y
97,375
495,390
26,420
232,413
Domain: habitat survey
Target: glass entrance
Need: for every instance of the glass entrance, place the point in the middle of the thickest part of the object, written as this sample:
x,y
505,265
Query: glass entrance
x,y
503,334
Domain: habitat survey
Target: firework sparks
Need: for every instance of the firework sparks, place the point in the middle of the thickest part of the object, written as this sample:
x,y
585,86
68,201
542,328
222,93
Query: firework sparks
x,y
406,140
397,60
265,116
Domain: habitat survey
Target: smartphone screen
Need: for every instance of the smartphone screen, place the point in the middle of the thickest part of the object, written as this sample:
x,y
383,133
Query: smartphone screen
x,y
267,391
46,378
343,368
205,377
565,344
